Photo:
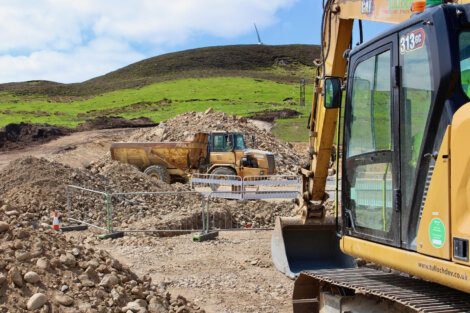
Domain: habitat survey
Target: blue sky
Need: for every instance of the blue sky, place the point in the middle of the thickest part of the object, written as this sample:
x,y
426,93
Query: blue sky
x,y
71,41
299,23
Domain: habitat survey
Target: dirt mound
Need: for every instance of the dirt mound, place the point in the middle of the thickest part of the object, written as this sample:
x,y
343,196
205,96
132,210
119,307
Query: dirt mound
x,y
37,186
17,136
34,187
41,270
272,115
109,122
184,126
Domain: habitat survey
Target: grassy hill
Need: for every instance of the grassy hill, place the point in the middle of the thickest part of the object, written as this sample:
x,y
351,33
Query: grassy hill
x,y
238,80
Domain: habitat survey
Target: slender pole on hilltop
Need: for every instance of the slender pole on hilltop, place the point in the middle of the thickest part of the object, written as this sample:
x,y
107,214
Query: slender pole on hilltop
x,y
257,34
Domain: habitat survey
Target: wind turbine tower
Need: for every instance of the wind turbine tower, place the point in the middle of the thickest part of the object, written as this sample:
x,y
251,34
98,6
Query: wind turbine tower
x,y
257,34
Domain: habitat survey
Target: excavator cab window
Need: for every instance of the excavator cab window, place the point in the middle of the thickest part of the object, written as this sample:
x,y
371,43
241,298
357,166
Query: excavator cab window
x,y
385,127
416,98
464,43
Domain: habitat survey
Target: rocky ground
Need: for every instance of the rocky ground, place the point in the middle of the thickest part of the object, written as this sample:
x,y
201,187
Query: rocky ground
x,y
231,274
42,271
38,186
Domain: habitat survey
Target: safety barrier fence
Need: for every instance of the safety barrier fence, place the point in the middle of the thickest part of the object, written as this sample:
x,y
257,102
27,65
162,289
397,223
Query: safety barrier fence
x,y
89,207
176,212
248,187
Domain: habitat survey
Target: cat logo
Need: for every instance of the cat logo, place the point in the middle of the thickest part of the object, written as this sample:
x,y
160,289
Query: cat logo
x,y
366,7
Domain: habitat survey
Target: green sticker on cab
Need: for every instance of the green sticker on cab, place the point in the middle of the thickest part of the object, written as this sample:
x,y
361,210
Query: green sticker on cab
x,y
437,233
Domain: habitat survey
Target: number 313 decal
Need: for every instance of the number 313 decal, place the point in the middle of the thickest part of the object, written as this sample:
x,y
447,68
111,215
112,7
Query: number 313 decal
x,y
412,41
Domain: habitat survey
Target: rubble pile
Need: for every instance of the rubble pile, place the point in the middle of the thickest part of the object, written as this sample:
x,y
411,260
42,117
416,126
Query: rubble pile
x,y
184,126
31,188
42,271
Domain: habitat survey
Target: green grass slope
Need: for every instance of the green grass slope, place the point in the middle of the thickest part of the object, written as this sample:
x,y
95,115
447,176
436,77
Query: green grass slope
x,y
160,101
239,80
284,63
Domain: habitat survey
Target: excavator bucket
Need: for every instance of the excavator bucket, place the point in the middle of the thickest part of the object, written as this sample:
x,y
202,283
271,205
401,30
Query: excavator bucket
x,y
297,247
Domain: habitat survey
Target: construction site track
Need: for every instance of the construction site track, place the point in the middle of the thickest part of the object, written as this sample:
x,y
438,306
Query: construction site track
x,y
417,295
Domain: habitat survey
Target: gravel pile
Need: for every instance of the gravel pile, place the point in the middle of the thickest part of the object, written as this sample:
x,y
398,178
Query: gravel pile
x,y
184,126
34,187
42,271
31,188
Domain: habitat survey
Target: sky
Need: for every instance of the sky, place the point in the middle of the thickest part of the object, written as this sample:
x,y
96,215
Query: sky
x,y
72,41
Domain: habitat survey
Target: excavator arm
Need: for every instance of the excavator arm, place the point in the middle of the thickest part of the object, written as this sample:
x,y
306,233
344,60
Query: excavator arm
x,y
336,35
336,38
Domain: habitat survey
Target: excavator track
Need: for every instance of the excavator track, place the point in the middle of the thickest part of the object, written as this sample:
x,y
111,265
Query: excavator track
x,y
414,294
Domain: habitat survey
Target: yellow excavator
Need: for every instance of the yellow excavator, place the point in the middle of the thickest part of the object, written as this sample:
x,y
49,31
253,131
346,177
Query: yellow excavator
x,y
403,202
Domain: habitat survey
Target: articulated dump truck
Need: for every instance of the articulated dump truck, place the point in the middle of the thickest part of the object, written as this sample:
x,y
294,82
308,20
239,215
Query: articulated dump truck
x,y
218,153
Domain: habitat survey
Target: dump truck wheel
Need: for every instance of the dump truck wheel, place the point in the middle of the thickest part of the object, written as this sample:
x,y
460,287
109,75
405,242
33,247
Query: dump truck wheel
x,y
222,171
158,172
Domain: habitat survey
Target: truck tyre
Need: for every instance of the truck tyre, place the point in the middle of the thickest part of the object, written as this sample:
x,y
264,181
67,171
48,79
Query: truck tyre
x,y
222,171
158,172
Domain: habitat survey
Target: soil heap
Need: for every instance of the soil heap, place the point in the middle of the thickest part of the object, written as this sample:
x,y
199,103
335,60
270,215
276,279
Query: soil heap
x,y
31,188
108,122
17,136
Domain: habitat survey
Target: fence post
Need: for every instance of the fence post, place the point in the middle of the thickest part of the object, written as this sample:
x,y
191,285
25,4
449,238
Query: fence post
x,y
205,234
242,196
109,213
69,201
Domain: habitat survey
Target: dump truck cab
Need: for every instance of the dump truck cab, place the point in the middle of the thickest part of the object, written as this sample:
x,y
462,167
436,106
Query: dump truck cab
x,y
228,149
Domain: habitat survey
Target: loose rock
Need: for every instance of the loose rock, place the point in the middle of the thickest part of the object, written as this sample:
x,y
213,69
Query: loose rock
x,y
32,277
68,259
4,227
36,301
63,299
15,277
42,263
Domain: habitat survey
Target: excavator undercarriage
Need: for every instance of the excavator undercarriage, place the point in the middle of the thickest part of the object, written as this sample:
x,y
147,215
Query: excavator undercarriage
x,y
372,290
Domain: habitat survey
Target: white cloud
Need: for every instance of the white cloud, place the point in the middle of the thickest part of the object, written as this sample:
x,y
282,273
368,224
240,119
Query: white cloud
x,y
72,41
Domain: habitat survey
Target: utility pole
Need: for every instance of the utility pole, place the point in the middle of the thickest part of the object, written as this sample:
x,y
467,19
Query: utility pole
x,y
302,92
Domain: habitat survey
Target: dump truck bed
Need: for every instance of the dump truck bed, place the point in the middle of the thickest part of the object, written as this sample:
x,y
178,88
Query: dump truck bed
x,y
173,155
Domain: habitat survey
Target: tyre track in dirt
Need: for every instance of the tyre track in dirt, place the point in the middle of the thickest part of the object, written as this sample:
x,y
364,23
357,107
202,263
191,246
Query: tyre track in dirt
x,y
76,150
